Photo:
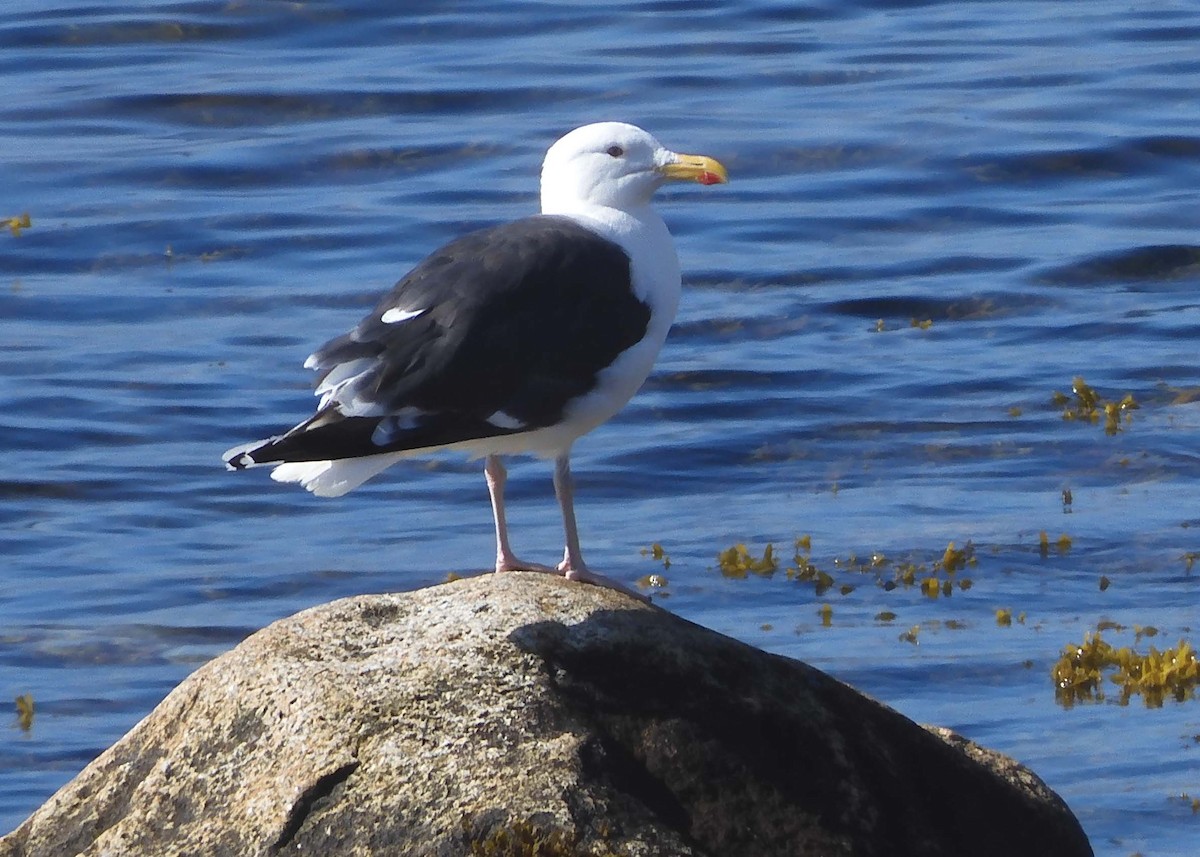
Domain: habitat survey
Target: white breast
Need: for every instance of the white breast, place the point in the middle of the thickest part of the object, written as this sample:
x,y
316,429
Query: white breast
x,y
654,267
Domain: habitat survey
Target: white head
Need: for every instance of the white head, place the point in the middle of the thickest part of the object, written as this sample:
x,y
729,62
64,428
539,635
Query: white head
x,y
615,165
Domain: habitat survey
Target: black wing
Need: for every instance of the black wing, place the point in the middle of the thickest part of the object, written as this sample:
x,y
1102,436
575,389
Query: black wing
x,y
499,331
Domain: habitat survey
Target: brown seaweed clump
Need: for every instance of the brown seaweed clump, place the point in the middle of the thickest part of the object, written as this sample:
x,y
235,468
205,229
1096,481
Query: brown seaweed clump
x,y
1087,404
1079,675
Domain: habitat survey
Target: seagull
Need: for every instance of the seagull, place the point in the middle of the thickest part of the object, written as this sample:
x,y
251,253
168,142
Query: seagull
x,y
518,338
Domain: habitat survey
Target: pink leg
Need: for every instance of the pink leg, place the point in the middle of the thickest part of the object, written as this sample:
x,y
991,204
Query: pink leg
x,y
573,566
506,560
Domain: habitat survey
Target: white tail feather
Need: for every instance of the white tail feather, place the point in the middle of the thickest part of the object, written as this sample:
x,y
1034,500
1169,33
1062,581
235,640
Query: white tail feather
x,y
334,478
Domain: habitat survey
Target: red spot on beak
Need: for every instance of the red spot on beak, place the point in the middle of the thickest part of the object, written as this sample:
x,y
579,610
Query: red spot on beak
x,y
709,178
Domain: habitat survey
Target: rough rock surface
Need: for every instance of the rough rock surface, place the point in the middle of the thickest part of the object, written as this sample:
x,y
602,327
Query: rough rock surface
x,y
523,714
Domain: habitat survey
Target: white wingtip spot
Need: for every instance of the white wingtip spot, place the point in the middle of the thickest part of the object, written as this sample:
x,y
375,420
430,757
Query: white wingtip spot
x,y
240,456
505,421
396,315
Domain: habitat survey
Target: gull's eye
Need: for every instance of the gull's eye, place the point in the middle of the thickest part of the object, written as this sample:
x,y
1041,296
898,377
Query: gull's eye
x,y
615,151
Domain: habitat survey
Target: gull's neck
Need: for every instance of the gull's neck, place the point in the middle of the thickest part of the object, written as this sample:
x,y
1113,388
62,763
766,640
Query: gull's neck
x,y
608,220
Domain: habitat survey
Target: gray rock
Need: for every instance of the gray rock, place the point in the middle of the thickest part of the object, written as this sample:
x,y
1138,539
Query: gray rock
x,y
523,714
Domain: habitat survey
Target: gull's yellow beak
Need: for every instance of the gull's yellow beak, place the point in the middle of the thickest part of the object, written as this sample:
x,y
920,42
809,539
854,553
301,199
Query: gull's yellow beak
x,y
696,168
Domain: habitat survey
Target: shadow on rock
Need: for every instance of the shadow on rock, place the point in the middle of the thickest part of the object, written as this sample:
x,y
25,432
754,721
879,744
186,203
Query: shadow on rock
x,y
744,752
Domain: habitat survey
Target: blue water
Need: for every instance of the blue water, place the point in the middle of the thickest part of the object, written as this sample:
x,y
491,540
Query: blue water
x,y
217,188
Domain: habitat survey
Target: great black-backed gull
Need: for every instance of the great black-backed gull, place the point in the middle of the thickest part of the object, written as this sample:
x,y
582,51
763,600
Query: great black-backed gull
x,y
517,338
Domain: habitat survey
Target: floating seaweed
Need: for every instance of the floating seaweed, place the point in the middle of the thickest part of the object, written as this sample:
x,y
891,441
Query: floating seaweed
x,y
1062,544
1088,405
737,562
25,711
16,224
1156,675
826,614
653,581
1189,801
655,551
